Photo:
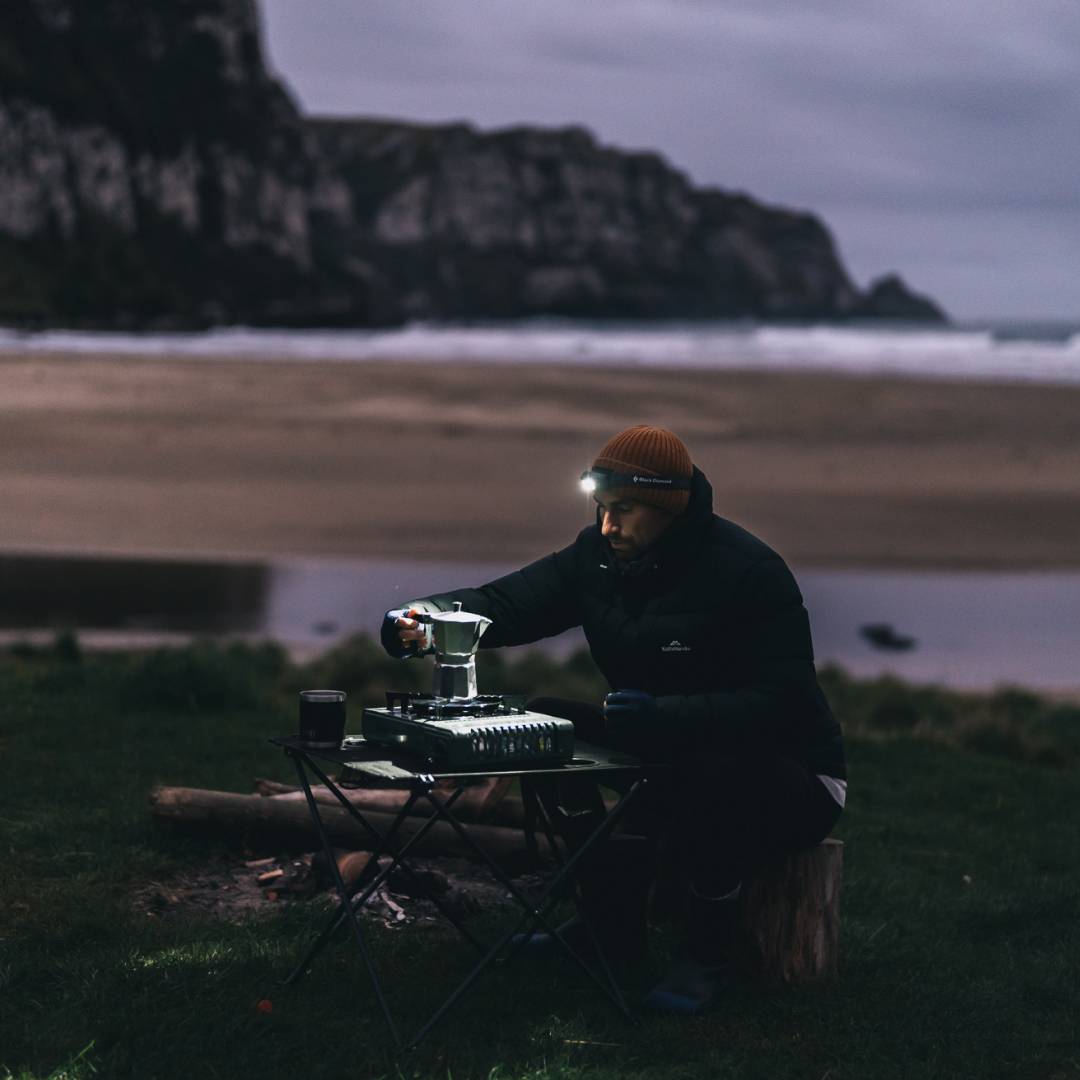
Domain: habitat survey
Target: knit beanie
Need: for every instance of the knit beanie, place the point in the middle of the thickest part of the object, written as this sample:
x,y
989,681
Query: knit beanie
x,y
653,451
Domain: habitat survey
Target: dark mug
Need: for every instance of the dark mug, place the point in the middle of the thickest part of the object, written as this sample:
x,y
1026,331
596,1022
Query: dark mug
x,y
322,718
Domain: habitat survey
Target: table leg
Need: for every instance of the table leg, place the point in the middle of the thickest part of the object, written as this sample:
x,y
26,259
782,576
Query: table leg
x,y
338,916
532,910
534,812
601,955
383,846
343,893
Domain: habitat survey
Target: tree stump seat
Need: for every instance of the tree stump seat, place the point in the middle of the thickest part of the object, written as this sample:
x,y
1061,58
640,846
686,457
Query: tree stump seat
x,y
790,925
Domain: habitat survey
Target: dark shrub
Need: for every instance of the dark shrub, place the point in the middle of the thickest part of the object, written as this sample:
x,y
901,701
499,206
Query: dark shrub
x,y
1002,739
361,668
1016,705
66,647
201,677
893,707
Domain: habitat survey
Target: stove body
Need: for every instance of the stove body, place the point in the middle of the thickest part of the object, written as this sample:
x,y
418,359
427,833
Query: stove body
x,y
470,732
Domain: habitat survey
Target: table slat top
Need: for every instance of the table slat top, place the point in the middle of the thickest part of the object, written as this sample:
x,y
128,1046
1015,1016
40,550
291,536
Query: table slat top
x,y
384,766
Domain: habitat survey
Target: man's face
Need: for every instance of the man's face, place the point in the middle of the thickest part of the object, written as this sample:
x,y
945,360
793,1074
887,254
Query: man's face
x,y
630,527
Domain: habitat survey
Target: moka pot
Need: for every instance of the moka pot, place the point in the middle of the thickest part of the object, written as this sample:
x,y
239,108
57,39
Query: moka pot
x,y
456,637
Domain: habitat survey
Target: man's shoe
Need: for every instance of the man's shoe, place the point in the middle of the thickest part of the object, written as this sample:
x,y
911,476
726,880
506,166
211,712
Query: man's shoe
x,y
690,987
540,942
622,943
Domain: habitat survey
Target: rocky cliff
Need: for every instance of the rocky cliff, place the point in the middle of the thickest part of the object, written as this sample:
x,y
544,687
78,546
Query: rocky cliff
x,y
152,172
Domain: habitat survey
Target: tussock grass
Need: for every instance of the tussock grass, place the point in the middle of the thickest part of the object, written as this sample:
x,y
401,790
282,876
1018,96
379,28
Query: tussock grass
x,y
1010,722
960,929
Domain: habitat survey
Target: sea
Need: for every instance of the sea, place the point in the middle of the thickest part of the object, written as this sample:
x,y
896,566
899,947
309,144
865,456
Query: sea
x,y
1046,351
964,629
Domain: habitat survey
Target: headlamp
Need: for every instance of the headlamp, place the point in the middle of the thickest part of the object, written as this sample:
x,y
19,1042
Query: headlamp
x,y
601,479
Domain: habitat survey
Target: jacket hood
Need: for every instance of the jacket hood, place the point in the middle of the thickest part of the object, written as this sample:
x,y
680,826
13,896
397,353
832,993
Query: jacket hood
x,y
701,502
683,534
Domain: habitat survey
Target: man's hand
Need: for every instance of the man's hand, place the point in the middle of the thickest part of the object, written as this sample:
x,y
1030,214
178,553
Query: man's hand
x,y
402,635
629,714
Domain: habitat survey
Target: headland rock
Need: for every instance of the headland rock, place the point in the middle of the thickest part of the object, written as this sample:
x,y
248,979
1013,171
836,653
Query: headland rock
x,y
153,172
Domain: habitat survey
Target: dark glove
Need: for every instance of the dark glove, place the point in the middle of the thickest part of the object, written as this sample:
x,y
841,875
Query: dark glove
x,y
389,634
629,715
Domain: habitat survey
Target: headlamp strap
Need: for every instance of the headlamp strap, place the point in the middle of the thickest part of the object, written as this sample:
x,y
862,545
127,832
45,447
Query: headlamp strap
x,y
606,478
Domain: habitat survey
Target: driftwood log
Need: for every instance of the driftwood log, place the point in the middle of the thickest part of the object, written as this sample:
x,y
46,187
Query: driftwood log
x,y
790,929
487,803
286,821
479,802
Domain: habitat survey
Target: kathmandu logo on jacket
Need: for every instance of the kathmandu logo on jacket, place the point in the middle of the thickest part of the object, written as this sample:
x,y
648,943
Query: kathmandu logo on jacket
x,y
675,646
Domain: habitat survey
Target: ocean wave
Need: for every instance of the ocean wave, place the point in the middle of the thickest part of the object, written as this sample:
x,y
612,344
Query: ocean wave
x,y
977,353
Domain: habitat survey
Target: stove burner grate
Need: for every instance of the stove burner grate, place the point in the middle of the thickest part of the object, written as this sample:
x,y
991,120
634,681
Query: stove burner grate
x,y
428,706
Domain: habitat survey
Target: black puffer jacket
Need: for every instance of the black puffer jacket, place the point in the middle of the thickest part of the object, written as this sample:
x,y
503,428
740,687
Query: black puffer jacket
x,y
710,621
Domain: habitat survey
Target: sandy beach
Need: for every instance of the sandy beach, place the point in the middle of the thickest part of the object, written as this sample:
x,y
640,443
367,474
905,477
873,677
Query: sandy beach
x,y
125,455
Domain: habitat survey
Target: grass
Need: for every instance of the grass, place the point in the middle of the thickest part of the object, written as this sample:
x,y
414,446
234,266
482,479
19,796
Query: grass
x,y
960,928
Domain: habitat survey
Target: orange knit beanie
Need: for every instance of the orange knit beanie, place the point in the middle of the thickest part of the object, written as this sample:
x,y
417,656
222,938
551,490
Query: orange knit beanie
x,y
653,451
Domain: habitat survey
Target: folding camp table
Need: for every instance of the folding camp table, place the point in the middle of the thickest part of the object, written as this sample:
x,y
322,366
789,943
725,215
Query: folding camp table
x,y
367,765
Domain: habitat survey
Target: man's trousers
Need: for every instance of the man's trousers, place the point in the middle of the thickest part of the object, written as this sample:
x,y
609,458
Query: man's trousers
x,y
718,817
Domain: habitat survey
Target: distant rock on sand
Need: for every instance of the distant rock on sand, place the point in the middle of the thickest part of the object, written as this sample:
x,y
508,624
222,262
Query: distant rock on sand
x,y
883,636
152,172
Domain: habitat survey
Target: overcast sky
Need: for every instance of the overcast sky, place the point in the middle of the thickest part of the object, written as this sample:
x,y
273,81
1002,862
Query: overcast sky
x,y
939,138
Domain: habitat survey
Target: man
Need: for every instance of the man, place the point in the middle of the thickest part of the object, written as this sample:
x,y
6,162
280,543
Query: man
x,y
701,632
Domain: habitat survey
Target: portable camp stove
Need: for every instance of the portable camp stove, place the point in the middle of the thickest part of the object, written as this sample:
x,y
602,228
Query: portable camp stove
x,y
486,730
456,727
